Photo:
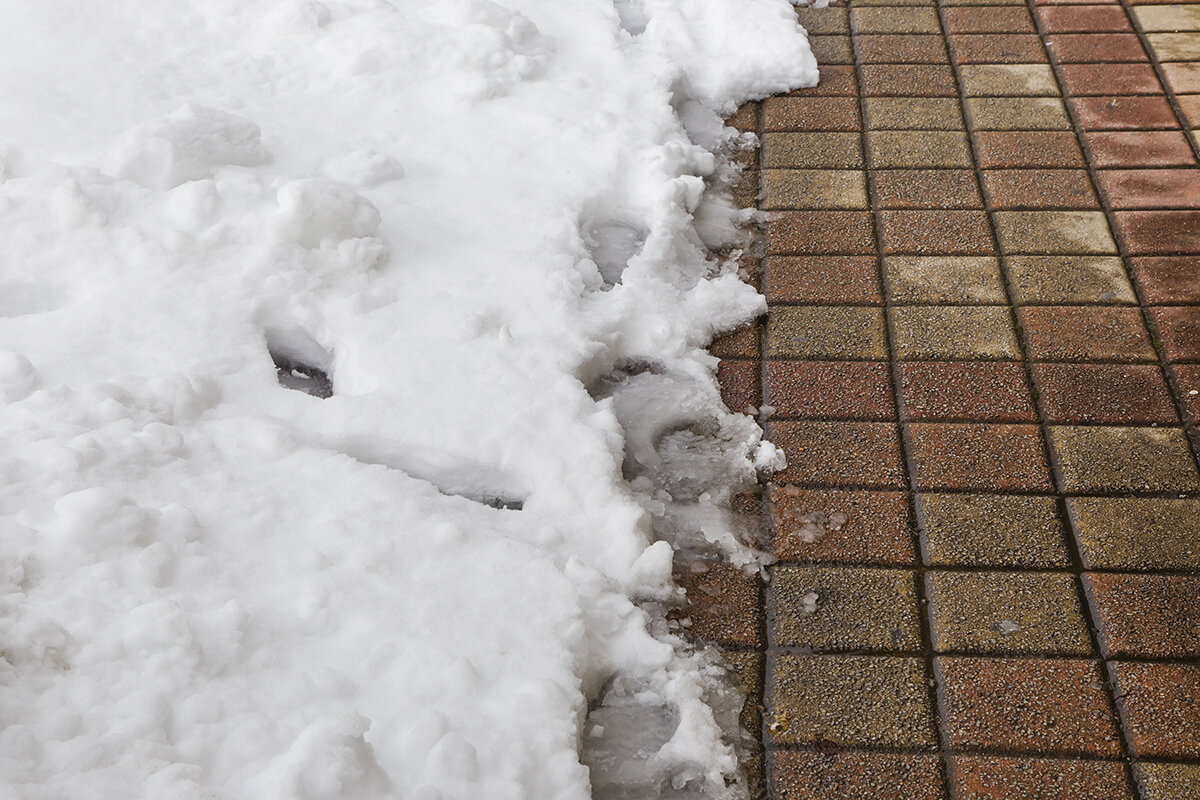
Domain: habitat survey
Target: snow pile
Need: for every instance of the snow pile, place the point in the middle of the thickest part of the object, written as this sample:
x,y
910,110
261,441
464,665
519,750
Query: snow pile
x,y
475,234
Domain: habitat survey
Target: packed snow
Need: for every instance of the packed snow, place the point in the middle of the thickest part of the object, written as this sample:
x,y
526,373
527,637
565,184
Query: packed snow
x,y
353,393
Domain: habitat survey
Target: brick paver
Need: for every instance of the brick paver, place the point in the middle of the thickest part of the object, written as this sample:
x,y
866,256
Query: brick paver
x,y
982,359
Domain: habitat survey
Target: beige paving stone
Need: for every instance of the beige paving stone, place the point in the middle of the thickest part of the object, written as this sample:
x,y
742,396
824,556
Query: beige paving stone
x,y
1137,533
1168,17
945,279
813,188
1006,612
1183,77
953,332
914,113
1069,279
850,701
1159,781
844,608
832,49
829,150
1104,459
895,20
916,149
826,332
991,530
1008,80
1175,46
1017,114
1054,232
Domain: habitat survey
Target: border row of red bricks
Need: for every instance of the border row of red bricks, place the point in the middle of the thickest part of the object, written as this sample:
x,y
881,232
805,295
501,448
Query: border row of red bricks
x,y
982,358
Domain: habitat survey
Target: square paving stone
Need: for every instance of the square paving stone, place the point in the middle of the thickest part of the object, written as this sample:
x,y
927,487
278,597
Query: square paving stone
x,y
812,150
833,526
1174,17
1146,616
850,775
1027,188
1139,148
829,389
895,20
913,113
822,279
738,379
832,49
930,232
917,149
1095,48
810,114
831,19
925,188
820,233
1159,707
1085,333
813,189
1008,80
1026,706
991,530
1027,149
1138,533
1054,232
1082,80
935,333
1068,19
1017,114
844,608
1159,233
1179,330
988,20
978,457
1006,612
1105,393
997,48
1183,78
901,49
1038,280
1151,188
1175,46
910,80
1095,460
993,778
1149,112
826,332
944,279
1167,781
722,604
850,701
951,391
839,454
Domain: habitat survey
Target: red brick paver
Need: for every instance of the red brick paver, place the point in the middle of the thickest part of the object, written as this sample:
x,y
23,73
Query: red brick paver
x,y
982,358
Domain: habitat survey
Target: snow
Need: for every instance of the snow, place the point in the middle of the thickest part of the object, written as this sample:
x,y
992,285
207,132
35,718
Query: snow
x,y
488,224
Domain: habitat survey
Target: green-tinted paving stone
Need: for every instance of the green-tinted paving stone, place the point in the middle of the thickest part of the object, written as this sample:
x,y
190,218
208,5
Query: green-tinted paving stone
x,y
826,332
1006,612
1167,781
914,113
1017,114
991,530
830,150
814,188
844,608
953,332
1103,459
944,279
850,701
1069,279
1054,232
1137,533
917,149
1008,80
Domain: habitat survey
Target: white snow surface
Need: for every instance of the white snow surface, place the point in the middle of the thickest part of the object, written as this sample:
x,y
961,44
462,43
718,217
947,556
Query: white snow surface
x,y
488,223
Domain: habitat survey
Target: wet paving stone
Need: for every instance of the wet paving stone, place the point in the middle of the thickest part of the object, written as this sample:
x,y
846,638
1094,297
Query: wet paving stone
x,y
1137,533
723,604
925,189
930,333
1085,333
984,391
1127,459
926,280
802,775
1105,393
826,332
855,454
1165,280
1051,280
998,778
831,526
819,150
1167,781
1146,616
1008,80
1011,149
1158,706
991,530
822,279
844,608
830,389
978,457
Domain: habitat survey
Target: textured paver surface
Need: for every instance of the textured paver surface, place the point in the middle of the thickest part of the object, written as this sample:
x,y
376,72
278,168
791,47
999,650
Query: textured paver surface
x,y
981,255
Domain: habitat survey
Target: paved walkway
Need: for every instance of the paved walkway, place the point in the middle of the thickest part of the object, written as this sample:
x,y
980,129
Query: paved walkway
x,y
983,356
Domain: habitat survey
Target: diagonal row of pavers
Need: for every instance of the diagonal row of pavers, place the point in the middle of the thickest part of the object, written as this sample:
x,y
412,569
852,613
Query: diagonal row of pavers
x,y
982,359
